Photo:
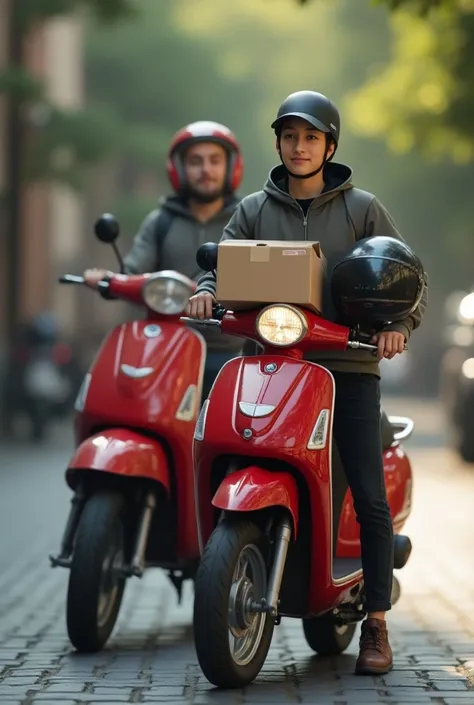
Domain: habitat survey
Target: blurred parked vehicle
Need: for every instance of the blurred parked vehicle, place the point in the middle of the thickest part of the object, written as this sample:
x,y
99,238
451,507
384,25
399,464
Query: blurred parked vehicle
x,y
457,373
42,376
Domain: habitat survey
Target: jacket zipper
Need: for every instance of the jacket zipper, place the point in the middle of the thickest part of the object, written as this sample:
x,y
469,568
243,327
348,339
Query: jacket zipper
x,y
305,221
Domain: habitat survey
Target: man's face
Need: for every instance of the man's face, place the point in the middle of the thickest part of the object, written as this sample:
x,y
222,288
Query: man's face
x,y
302,146
205,166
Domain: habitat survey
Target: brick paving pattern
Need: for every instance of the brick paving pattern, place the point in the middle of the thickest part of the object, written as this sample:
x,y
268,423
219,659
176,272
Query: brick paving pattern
x,y
151,659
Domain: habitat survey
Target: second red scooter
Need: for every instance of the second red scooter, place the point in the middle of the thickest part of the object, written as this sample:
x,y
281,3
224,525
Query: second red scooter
x,y
131,474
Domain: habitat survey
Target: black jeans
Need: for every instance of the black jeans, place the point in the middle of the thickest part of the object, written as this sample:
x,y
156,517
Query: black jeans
x,y
358,437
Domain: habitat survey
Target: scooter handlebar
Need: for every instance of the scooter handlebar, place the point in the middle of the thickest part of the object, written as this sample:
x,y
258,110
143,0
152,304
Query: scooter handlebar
x,y
357,345
218,313
71,279
202,322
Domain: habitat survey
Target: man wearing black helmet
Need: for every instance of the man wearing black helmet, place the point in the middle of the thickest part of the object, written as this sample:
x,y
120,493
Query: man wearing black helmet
x,y
205,168
312,198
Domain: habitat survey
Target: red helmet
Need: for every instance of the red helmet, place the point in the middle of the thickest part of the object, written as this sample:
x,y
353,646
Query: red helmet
x,y
205,131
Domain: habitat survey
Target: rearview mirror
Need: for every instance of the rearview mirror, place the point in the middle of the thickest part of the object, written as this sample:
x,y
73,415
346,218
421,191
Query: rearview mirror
x,y
206,257
107,228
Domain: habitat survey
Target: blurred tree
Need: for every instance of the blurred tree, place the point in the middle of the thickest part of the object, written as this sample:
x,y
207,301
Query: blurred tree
x,y
423,97
158,78
64,140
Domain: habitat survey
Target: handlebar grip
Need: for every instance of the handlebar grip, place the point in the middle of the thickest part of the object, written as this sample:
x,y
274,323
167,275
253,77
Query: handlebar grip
x,y
71,279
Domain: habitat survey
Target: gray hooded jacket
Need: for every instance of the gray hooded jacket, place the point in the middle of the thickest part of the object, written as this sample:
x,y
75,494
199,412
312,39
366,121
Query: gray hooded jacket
x,y
178,252
272,214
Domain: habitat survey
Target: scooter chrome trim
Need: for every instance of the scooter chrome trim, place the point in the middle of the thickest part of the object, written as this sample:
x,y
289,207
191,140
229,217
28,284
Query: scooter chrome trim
x,y
135,372
404,425
278,566
255,410
138,560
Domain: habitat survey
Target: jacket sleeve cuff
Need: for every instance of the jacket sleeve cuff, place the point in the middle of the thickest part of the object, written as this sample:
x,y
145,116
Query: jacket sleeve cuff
x,y
399,328
205,288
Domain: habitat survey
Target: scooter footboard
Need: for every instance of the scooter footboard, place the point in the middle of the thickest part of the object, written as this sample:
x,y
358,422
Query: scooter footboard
x,y
253,488
119,451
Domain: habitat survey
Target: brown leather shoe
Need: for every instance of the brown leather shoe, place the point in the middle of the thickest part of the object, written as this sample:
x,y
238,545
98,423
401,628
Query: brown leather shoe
x,y
375,655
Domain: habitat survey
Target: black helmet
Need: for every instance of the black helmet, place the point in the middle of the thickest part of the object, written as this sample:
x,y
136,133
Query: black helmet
x,y
313,107
380,280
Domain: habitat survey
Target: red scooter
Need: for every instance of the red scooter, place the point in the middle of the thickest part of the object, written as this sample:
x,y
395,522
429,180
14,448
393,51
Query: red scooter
x,y
276,521
132,474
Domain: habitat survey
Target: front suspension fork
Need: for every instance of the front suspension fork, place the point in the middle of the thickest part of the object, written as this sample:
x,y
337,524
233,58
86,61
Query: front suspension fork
x,y
269,603
138,561
137,566
63,558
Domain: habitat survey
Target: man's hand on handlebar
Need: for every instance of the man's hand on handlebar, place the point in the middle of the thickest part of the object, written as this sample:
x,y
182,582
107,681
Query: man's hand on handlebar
x,y
93,276
200,305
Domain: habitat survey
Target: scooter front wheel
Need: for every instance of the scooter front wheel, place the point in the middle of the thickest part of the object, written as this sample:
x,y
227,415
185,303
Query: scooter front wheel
x,y
232,639
96,583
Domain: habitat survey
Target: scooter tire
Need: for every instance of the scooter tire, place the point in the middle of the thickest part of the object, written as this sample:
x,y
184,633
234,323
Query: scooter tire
x,y
325,637
100,524
211,604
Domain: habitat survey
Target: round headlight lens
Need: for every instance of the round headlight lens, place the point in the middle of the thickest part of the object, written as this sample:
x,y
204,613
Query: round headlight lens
x,y
166,294
466,309
281,325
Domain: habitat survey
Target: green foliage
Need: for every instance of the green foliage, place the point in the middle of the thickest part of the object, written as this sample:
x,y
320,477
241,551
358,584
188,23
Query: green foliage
x,y
423,97
70,141
160,77
423,7
20,84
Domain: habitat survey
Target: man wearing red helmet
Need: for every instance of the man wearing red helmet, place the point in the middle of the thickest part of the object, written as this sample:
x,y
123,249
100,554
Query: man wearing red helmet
x,y
205,169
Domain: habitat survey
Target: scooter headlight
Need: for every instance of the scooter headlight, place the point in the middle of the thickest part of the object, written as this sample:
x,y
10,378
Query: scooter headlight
x,y
281,325
167,293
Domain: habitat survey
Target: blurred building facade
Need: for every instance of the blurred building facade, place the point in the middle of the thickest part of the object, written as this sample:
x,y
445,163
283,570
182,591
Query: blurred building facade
x,y
51,217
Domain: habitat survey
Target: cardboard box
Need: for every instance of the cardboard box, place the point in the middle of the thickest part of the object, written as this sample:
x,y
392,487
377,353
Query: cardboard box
x,y
252,273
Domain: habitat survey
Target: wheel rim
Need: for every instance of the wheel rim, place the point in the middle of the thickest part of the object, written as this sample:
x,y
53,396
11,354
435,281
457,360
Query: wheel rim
x,y
111,578
246,626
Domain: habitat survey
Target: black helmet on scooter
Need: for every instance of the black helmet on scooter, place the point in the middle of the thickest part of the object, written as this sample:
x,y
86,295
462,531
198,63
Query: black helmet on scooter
x,y
380,280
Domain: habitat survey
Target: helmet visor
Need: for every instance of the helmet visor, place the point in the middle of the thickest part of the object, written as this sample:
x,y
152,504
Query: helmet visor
x,y
317,124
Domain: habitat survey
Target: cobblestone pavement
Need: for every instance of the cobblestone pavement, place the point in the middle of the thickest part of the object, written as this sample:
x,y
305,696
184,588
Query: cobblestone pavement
x,y
151,658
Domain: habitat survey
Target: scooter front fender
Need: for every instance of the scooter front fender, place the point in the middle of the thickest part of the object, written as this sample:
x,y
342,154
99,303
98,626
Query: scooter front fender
x,y
119,451
253,488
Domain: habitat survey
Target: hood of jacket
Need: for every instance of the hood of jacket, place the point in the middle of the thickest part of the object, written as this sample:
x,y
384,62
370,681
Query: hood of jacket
x,y
337,178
